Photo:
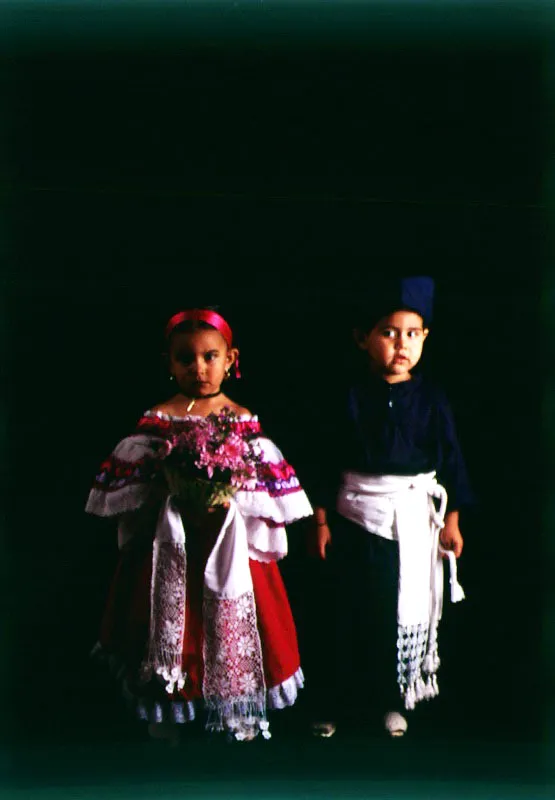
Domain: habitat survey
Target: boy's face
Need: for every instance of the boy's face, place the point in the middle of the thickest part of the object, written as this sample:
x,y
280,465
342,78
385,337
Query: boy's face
x,y
394,345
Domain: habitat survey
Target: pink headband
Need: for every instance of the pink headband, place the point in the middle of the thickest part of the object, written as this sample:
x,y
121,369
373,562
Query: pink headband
x,y
201,315
211,318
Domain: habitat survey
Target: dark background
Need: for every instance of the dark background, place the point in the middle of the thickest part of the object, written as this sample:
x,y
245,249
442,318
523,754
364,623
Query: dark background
x,y
276,160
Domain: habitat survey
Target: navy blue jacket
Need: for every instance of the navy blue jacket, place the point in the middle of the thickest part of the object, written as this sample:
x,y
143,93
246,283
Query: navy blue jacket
x,y
390,429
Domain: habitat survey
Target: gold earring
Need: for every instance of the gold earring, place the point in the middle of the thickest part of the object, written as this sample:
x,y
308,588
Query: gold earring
x,y
227,373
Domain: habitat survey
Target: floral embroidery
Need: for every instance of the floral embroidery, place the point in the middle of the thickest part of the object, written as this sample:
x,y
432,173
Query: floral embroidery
x,y
116,473
234,687
245,646
248,683
243,607
161,426
276,479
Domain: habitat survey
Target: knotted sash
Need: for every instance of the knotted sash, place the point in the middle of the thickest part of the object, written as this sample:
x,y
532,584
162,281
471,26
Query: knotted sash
x,y
402,508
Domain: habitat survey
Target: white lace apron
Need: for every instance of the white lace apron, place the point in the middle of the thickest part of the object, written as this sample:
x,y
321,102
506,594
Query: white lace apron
x,y
234,689
402,508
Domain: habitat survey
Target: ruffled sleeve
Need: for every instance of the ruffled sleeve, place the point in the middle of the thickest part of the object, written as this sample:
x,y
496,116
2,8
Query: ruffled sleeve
x,y
125,481
276,501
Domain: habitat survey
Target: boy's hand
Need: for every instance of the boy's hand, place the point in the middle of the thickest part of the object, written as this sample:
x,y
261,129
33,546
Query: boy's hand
x,y
319,537
451,538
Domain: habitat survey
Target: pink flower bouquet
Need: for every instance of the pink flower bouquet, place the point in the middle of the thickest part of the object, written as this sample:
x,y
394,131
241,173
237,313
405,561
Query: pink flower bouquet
x,y
208,461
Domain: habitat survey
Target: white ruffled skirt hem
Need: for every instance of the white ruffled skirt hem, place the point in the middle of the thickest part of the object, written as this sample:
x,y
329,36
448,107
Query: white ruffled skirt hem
x,y
179,712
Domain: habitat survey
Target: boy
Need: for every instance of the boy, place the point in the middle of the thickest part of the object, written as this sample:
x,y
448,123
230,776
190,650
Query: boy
x,y
384,510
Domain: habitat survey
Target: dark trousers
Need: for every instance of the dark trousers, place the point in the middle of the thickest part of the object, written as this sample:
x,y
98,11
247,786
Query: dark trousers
x,y
351,626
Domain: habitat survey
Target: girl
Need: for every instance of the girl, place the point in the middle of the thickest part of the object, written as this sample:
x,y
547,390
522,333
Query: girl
x,y
387,513
197,607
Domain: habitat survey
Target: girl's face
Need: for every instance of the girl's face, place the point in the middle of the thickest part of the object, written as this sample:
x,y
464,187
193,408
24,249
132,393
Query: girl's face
x,y
199,360
395,344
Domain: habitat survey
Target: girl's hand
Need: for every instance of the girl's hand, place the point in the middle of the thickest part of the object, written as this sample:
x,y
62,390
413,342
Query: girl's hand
x,y
319,537
451,538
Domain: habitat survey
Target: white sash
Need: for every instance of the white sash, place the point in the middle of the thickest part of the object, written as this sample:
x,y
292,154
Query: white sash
x,y
233,687
402,508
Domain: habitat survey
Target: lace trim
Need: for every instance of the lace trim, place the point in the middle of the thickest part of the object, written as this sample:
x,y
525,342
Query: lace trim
x,y
110,504
159,424
283,510
167,618
179,712
233,688
417,663
173,418
182,711
266,542
265,557
285,694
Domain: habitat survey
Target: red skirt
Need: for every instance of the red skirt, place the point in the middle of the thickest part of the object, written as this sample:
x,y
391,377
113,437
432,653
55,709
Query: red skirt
x,y
125,624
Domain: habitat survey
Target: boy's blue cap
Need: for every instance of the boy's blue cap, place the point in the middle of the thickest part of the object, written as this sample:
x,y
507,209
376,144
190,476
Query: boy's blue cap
x,y
417,294
389,294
